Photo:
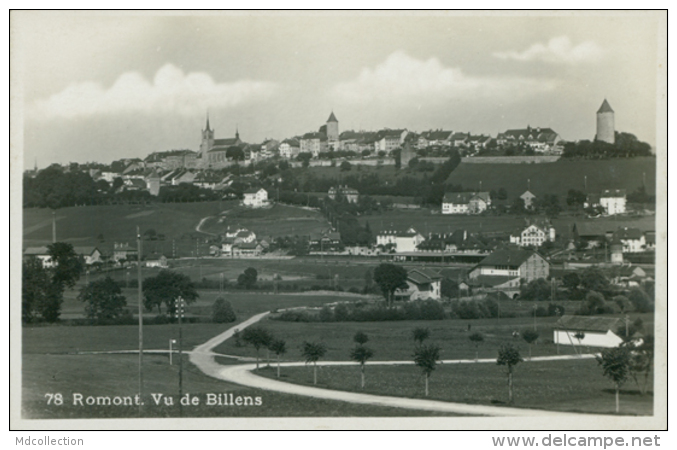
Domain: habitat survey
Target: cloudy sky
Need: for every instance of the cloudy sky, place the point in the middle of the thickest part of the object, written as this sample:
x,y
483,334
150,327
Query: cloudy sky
x,y
103,86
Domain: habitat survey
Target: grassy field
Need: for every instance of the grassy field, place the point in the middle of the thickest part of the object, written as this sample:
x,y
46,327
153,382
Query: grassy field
x,y
557,178
177,221
550,385
430,221
117,375
393,341
279,220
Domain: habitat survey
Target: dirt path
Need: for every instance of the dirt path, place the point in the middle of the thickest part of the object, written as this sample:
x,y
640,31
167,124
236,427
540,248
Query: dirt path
x,y
203,357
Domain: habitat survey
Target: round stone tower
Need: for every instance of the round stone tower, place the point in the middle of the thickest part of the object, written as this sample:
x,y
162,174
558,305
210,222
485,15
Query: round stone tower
x,y
606,131
332,132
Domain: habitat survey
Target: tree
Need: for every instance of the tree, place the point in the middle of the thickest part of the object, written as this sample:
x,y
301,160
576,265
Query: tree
x,y
509,356
312,352
257,337
279,347
615,364
426,357
623,303
37,290
150,234
539,290
641,361
420,334
346,166
640,300
222,311
248,278
360,338
68,266
530,336
165,288
593,279
576,198
361,354
476,338
390,277
103,299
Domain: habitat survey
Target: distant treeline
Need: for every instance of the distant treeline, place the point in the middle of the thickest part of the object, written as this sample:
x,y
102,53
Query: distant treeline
x,y
626,145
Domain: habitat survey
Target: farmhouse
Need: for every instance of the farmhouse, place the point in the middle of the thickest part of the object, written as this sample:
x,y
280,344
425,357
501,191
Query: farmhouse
x,y
41,253
90,254
325,242
465,202
517,263
255,198
422,284
156,260
534,234
632,239
593,331
388,140
613,201
122,251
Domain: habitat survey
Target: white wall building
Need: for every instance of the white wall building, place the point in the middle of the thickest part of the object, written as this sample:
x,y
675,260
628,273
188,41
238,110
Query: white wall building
x,y
613,201
256,198
593,331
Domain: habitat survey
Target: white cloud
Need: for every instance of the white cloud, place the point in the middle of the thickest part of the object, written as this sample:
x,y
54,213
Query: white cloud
x,y
171,90
402,77
558,50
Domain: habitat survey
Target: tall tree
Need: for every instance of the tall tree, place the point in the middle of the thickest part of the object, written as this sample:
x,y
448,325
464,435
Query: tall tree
x,y
390,277
165,288
68,266
279,347
257,337
426,357
36,289
615,364
312,352
530,336
420,334
476,338
361,354
509,356
248,278
103,300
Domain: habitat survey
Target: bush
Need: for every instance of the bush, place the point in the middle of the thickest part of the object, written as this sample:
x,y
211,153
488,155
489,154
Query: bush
x,y
222,311
296,316
341,313
326,314
466,310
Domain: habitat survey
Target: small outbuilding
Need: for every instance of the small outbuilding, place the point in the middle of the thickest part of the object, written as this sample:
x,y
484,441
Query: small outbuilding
x,y
588,331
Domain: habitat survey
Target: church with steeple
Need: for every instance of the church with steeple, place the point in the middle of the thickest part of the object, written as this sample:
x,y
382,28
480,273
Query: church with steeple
x,y
213,151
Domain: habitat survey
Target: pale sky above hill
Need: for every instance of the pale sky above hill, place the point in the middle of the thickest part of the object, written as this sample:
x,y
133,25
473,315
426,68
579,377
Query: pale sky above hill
x,y
103,86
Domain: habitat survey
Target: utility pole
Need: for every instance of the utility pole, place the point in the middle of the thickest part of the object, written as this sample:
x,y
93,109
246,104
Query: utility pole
x,y
140,300
179,313
53,226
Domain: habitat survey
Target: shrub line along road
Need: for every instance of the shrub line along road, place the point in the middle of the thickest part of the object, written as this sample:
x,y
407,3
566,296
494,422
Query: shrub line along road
x,y
203,357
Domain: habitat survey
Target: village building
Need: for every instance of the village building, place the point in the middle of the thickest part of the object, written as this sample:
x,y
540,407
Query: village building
x,y
400,241
326,241
256,198
434,138
538,139
90,254
520,264
388,140
124,252
349,194
632,239
613,201
41,253
157,260
290,148
592,331
528,198
534,234
465,202
422,284
314,143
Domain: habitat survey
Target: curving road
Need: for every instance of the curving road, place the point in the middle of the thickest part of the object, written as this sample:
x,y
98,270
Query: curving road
x,y
203,357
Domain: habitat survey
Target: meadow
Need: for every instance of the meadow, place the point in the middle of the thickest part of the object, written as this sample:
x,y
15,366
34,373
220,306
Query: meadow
x,y
392,341
547,385
558,177
117,375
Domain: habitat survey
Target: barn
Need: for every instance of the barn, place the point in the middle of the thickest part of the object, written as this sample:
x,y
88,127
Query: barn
x,y
593,331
